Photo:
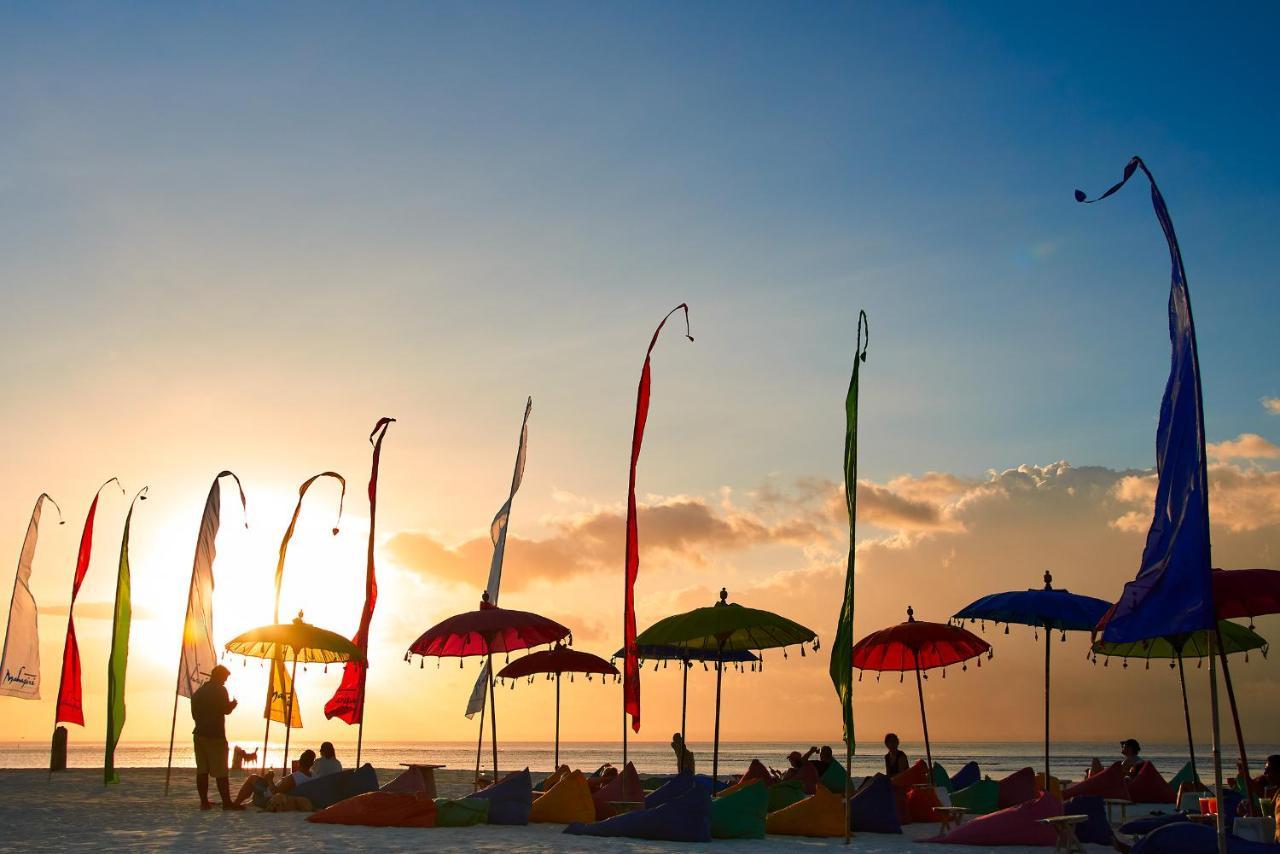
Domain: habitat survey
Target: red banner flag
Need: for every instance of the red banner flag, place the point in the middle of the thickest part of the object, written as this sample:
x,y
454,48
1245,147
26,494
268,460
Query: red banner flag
x,y
347,703
631,659
69,696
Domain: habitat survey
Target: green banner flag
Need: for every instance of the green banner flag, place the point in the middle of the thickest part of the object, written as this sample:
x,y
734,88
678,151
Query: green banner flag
x,y
842,649
119,660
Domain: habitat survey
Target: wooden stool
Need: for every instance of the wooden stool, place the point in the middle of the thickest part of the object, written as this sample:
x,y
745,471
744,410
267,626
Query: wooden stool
x,y
1065,827
950,816
1117,802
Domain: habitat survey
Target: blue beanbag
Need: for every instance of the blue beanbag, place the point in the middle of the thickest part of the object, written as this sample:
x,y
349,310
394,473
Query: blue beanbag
x,y
1148,823
966,777
704,780
673,788
1189,838
872,809
684,818
510,799
1097,829
328,790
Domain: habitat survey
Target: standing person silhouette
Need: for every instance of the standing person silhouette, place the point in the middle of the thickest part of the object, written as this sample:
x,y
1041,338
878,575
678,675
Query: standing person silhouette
x,y
210,705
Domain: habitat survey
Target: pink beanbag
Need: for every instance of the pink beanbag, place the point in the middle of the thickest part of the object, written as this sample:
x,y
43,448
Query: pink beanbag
x,y
916,774
625,787
1018,825
1148,787
1018,788
1108,784
920,803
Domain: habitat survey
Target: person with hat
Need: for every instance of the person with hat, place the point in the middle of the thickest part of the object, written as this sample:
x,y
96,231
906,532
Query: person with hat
x,y
1132,763
210,705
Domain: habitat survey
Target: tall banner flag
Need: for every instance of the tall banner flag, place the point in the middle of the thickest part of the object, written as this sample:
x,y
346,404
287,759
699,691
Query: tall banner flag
x,y
498,535
631,658
280,686
20,661
118,663
1172,592
199,655
842,651
69,708
347,703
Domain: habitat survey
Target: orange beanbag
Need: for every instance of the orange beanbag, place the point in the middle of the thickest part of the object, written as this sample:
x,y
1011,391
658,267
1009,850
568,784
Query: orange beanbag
x,y
757,771
736,787
921,801
916,774
1148,787
556,776
380,809
820,814
625,787
569,800
1107,784
1054,788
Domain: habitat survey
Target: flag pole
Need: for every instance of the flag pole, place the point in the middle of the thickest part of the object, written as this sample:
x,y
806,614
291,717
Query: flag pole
x,y
1217,748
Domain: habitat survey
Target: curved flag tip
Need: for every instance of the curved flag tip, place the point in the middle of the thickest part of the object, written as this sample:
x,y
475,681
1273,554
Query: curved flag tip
x,y
381,425
47,497
864,336
1135,163
115,480
244,504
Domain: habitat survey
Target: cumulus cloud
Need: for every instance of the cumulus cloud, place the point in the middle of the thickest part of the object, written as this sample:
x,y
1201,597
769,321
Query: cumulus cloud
x,y
1246,446
1271,404
1240,499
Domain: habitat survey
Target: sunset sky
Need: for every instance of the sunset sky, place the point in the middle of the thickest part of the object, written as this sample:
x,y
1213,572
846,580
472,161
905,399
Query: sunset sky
x,y
235,236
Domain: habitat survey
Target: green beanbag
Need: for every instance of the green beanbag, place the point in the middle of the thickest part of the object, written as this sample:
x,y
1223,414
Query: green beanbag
x,y
462,812
981,798
740,815
834,777
785,793
941,777
1183,776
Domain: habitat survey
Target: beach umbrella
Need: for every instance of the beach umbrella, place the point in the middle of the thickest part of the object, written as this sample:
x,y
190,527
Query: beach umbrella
x,y
722,629
919,646
301,642
554,662
686,657
1234,639
1043,608
485,631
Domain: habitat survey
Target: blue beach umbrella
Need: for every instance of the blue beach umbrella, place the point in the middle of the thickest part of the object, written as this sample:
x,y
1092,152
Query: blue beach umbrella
x,y
1045,608
654,652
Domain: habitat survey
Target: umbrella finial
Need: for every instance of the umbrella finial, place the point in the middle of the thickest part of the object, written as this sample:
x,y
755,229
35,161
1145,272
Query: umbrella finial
x,y
1048,580
298,619
911,614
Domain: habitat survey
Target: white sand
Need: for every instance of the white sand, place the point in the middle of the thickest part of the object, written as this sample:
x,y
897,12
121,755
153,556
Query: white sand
x,y
74,811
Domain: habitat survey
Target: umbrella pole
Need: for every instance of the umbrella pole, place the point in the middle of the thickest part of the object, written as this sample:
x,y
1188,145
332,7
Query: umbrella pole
x,y
1048,632
479,747
173,728
715,752
1235,712
266,733
684,698
557,759
493,720
288,715
364,675
1217,750
924,721
1186,713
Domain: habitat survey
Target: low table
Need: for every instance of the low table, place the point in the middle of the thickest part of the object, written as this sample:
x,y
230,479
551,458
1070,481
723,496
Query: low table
x,y
1065,827
1117,802
950,816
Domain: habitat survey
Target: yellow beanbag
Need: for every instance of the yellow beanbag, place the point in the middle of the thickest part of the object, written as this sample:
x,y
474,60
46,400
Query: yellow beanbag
x,y
569,800
556,776
737,787
820,814
1055,787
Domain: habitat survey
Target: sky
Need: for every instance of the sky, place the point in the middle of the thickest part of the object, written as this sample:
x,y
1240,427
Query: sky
x,y
236,236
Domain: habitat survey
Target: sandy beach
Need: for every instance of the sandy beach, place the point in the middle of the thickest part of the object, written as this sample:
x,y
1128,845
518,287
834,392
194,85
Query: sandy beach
x,y
73,811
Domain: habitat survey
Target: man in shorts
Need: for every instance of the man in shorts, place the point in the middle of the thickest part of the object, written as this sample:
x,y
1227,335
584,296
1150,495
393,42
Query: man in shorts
x,y
210,705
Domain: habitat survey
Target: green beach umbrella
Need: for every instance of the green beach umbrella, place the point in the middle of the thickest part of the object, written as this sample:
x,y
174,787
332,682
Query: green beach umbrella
x,y
723,628
1235,639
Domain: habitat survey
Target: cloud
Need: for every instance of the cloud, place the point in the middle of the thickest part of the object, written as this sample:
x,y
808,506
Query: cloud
x,y
1271,404
93,611
1240,499
1246,446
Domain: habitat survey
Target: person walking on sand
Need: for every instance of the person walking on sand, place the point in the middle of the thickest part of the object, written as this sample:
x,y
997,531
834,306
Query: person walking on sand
x,y
210,705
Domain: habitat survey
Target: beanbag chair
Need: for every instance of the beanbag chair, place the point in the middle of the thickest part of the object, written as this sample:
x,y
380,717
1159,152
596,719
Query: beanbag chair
x,y
685,818
981,798
1147,823
740,815
1097,829
1018,788
966,776
380,809
785,793
820,814
1018,825
624,787
1190,838
280,802
552,778
673,788
872,808
1054,788
834,777
757,771
567,801
1183,776
463,812
510,799
808,777
711,786
913,776
1106,784
1148,787
409,782
941,777
920,803
328,790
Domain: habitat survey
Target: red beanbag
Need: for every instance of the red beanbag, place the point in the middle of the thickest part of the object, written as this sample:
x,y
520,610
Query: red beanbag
x,y
916,774
757,771
380,809
1018,825
808,777
920,803
625,787
1018,788
1108,784
1148,787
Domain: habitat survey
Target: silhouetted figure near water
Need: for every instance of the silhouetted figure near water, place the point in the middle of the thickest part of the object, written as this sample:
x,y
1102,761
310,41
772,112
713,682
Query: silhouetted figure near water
x,y
210,705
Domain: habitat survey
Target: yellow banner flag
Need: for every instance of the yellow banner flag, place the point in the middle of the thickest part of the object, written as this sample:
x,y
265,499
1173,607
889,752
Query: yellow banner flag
x,y
278,697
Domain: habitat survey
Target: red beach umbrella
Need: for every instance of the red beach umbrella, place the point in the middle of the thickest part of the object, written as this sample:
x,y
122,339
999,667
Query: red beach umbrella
x,y
485,631
919,646
1239,593
555,662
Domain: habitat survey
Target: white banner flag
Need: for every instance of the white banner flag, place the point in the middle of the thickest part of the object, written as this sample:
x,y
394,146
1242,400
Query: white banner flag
x,y
20,662
498,533
199,655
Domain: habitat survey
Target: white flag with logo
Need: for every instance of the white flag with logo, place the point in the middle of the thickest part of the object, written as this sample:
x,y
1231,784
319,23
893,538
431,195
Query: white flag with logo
x,y
20,662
